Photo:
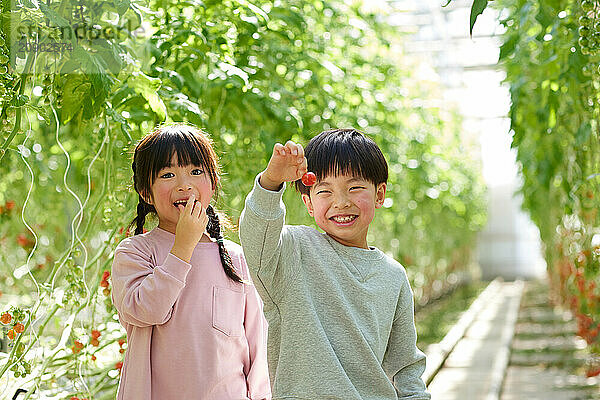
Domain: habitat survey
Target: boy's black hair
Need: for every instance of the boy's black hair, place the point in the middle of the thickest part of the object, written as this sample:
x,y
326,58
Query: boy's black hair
x,y
344,151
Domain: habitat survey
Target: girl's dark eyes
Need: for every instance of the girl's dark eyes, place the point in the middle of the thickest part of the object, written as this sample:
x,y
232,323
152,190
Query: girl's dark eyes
x,y
196,171
356,187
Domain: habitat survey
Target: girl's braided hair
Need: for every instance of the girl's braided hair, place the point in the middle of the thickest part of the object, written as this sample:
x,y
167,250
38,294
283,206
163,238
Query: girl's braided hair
x,y
192,146
214,230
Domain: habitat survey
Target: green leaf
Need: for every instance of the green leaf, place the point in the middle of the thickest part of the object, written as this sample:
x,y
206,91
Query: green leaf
x,y
232,70
53,16
123,123
122,6
75,92
508,47
545,17
185,106
109,53
288,16
138,18
476,9
147,88
43,112
255,9
583,133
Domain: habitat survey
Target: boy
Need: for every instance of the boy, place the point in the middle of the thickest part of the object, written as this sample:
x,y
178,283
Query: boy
x,y
340,312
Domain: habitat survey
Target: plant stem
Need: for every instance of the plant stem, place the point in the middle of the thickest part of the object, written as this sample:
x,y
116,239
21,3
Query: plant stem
x,y
26,72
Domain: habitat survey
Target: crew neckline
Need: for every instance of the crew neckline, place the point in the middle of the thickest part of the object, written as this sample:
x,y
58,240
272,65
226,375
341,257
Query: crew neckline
x,y
372,253
168,235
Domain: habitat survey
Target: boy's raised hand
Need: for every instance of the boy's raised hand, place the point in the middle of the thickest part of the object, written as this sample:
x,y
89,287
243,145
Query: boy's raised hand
x,y
287,164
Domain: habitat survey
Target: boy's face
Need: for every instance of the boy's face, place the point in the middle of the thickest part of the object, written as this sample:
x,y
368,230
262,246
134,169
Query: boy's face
x,y
344,206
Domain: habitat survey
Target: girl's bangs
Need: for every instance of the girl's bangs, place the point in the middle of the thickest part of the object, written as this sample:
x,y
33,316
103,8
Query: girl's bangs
x,y
188,148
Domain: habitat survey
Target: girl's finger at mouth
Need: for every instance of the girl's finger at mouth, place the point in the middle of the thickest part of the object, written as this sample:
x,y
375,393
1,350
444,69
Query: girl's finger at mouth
x,y
197,207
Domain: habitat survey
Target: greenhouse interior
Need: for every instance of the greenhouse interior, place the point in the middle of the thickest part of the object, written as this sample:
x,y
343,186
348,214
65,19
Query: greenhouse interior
x,y
282,199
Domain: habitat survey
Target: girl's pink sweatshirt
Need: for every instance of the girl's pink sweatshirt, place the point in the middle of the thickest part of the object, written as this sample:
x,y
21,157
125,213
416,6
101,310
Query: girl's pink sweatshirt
x,y
192,333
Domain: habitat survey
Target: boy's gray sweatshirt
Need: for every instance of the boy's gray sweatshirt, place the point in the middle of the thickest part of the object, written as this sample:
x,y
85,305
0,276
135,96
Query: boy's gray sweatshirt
x,y
340,318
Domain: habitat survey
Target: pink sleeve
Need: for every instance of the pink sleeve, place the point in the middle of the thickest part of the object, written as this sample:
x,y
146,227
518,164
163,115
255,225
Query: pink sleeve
x,y
256,327
144,294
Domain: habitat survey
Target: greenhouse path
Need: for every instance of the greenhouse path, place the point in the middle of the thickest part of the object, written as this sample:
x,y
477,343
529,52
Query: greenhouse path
x,y
510,345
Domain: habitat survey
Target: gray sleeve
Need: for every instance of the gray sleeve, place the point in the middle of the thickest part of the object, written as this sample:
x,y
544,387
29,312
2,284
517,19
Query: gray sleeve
x,y
266,242
403,362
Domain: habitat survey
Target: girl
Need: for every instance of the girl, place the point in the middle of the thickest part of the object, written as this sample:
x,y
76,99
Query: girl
x,y
194,321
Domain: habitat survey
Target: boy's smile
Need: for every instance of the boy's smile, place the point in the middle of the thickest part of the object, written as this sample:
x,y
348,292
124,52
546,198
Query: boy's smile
x,y
344,206
344,219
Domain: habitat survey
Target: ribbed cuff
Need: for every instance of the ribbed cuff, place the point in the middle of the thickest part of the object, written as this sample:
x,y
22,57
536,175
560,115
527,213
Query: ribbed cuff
x,y
176,267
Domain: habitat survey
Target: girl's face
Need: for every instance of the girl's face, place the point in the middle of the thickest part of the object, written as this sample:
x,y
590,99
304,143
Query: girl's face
x,y
344,206
175,184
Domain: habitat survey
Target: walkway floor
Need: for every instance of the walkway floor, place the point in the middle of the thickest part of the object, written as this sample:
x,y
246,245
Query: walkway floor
x,y
515,347
547,359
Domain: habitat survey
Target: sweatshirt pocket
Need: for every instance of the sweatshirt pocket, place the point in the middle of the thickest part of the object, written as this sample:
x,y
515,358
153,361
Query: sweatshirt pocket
x,y
228,311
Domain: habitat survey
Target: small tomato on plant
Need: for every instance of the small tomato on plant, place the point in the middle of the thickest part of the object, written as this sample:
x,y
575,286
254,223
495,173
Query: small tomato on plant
x,y
5,318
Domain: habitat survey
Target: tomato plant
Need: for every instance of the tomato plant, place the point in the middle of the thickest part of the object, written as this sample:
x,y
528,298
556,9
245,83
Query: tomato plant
x,y
551,53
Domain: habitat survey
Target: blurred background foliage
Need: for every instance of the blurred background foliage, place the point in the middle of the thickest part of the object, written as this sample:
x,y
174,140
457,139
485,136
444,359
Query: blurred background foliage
x,y
551,54
249,73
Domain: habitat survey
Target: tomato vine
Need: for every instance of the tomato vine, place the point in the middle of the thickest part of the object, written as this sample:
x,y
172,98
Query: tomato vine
x,y
551,53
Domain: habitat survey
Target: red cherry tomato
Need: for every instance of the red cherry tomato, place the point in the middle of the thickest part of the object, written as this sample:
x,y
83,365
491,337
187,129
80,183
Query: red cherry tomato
x,y
309,179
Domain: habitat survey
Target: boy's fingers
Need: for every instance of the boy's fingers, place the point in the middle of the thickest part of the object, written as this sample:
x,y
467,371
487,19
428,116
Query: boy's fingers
x,y
291,147
300,150
303,168
279,149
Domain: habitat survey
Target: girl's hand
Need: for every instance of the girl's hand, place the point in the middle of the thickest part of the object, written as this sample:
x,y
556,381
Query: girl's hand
x,y
287,164
190,228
